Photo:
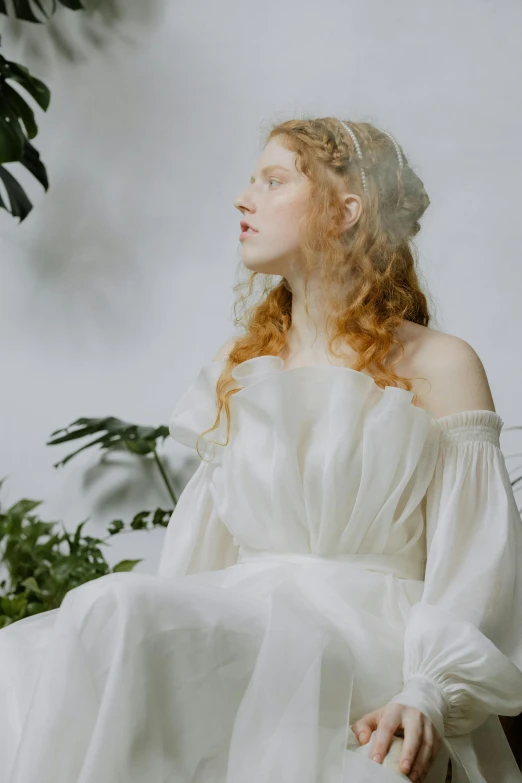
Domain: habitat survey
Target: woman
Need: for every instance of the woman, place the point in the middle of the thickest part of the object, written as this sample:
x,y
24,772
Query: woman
x,y
340,579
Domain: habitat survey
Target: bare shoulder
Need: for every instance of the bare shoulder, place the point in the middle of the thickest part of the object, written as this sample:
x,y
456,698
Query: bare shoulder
x,y
447,373
223,352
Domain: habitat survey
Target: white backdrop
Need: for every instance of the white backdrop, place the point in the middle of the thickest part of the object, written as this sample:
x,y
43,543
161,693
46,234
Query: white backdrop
x,y
118,286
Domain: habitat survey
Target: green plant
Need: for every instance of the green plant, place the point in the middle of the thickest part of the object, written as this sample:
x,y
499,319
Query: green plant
x,y
17,126
37,11
44,563
115,435
17,120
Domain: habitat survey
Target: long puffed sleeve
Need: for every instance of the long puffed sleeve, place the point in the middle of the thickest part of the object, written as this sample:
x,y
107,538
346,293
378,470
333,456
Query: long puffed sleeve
x,y
463,640
196,539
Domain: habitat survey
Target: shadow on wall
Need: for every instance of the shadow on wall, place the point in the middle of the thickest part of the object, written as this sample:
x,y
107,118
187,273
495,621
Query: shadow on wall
x,y
88,235
72,37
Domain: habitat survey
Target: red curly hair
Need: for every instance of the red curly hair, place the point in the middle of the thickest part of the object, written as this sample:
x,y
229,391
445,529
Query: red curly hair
x,y
377,253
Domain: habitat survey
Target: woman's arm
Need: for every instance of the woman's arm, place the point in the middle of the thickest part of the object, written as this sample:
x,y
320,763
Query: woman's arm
x,y
463,640
196,538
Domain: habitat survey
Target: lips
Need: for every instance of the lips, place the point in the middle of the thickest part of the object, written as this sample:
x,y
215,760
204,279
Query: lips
x,y
247,227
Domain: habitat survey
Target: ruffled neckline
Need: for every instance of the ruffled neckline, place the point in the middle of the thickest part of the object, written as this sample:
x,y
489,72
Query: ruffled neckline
x,y
196,409
257,368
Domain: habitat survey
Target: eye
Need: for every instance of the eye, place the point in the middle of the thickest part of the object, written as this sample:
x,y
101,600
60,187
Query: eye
x,y
272,180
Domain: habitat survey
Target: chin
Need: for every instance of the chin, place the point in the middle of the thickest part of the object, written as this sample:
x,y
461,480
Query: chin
x,y
260,266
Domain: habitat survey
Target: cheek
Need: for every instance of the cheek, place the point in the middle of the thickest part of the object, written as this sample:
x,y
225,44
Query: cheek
x,y
286,217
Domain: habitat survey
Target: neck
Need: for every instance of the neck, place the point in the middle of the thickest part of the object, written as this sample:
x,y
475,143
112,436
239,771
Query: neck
x,y
308,336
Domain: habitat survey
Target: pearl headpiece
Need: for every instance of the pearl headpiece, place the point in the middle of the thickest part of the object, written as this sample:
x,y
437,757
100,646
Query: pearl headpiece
x,y
359,153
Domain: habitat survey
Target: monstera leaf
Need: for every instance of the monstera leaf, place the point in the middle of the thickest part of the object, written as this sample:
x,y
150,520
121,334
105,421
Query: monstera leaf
x,y
52,32
17,126
17,121
37,11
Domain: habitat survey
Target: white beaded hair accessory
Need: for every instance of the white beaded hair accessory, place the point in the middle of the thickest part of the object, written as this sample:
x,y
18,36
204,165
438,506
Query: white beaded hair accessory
x,y
397,148
359,153
358,150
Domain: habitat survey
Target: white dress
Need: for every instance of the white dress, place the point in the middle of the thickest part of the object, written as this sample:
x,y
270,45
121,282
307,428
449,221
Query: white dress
x,y
343,550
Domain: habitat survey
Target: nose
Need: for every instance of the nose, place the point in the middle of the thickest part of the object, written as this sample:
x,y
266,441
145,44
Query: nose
x,y
242,201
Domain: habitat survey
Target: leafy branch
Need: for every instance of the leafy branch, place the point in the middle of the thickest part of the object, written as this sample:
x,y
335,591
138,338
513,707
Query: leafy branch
x,y
44,563
115,435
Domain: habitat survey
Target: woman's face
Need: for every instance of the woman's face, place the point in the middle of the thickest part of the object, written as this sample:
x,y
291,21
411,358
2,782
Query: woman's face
x,y
273,204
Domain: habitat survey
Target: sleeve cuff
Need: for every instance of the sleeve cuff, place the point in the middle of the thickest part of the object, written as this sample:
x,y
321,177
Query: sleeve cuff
x,y
425,695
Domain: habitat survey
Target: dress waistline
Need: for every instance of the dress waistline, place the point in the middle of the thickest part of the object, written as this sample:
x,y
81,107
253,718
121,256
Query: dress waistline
x,y
401,566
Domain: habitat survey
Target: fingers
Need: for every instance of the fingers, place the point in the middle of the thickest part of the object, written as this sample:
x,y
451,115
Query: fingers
x,y
413,736
364,727
389,723
420,747
421,764
427,752
421,741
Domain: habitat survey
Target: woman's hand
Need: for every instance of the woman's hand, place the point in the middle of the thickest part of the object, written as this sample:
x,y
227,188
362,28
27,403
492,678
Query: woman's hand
x,y
422,741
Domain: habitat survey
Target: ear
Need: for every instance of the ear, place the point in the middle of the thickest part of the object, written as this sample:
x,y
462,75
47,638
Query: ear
x,y
353,210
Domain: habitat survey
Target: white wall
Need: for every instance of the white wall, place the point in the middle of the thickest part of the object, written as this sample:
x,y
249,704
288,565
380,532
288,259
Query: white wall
x,y
118,286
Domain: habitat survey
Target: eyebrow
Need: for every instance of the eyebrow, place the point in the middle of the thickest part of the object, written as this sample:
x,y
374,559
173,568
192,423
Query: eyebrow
x,y
273,167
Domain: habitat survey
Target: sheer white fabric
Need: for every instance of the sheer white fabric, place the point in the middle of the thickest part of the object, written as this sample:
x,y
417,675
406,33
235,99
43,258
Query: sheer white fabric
x,y
343,550
463,650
